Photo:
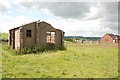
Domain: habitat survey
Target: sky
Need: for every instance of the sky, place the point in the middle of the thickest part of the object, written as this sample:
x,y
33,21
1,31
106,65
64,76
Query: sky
x,y
76,18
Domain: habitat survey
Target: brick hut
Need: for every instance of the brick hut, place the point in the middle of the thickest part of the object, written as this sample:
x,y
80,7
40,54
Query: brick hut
x,y
35,34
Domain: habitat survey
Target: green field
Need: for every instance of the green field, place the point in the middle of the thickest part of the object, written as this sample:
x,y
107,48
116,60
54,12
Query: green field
x,y
0,60
78,61
4,35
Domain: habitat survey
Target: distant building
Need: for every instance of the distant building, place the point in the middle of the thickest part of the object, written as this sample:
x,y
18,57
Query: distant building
x,y
110,38
35,34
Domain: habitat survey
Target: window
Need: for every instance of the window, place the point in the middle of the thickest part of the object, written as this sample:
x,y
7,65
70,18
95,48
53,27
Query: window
x,y
106,40
28,33
113,41
51,37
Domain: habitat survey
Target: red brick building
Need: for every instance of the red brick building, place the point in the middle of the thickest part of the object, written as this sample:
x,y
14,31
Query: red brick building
x,y
110,38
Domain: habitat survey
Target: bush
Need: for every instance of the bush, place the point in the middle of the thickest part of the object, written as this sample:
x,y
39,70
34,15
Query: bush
x,y
62,47
43,48
69,39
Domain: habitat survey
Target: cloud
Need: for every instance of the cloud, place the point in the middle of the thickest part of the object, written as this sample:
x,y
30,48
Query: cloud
x,y
78,28
110,18
61,9
111,11
75,18
8,23
70,10
5,5
78,10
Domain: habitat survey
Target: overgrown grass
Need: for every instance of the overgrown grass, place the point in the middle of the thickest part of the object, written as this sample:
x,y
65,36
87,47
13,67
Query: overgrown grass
x,y
78,61
43,48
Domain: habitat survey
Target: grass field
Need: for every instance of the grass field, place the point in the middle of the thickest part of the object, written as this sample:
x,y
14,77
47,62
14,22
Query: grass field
x,y
4,35
78,61
0,60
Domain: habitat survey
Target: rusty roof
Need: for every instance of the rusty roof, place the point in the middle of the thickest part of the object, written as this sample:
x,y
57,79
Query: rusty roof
x,y
22,25
35,22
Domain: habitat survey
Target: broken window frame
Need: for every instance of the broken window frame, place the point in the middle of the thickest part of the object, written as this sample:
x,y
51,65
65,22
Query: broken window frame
x,y
50,38
28,33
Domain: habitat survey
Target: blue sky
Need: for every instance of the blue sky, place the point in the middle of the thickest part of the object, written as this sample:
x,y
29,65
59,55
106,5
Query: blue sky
x,y
74,18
